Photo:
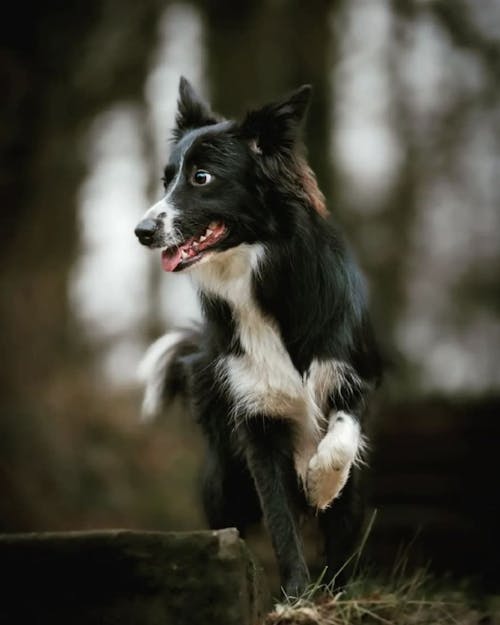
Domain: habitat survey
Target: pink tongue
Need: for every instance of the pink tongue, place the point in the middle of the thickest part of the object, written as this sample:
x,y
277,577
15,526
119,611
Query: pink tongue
x,y
170,261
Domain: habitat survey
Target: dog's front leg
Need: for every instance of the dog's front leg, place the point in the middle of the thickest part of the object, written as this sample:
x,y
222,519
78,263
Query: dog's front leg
x,y
268,450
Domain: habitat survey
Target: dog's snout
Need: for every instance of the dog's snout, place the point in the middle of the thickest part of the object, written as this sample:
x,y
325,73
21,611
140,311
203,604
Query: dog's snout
x,y
145,230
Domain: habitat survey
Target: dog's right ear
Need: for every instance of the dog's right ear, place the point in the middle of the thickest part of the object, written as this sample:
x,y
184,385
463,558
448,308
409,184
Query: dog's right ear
x,y
192,111
276,127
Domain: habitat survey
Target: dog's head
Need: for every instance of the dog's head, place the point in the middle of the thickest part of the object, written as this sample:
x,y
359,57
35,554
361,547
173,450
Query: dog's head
x,y
224,179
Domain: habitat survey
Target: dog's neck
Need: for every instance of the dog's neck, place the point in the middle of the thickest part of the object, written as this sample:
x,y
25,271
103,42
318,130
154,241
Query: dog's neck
x,y
229,274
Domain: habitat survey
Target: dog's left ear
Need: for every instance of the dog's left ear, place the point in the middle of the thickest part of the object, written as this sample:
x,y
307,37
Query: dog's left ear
x,y
192,111
275,127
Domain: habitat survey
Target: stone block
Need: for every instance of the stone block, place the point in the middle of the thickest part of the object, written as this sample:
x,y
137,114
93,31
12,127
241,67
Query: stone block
x,y
122,577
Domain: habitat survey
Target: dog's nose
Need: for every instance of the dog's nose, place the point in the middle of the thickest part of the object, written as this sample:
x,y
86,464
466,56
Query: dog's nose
x,y
145,230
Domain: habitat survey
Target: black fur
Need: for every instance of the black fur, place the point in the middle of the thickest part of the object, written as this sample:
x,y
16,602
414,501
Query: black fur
x,y
308,285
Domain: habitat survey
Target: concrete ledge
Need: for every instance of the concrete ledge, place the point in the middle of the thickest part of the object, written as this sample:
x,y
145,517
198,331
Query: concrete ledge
x,y
130,578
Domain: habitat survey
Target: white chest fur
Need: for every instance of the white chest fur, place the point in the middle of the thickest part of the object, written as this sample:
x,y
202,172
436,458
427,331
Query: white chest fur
x,y
264,381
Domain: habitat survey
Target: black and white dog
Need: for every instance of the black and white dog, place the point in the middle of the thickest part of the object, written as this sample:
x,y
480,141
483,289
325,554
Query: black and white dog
x,y
278,374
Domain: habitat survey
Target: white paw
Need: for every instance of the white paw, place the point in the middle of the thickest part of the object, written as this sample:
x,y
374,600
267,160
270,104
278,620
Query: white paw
x,y
325,481
328,469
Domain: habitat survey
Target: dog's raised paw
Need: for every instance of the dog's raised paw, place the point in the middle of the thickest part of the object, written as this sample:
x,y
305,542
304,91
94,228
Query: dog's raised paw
x,y
324,482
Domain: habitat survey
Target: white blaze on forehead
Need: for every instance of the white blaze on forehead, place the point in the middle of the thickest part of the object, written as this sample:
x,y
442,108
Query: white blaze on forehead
x,y
166,211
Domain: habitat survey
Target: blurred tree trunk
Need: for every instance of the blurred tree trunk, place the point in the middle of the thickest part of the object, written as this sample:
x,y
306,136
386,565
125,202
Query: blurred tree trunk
x,y
260,50
61,64
38,227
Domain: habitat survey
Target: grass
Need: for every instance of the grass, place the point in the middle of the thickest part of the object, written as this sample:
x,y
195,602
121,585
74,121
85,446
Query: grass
x,y
399,598
368,601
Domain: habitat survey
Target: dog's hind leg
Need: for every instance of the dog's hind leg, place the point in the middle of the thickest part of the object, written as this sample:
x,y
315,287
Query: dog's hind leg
x,y
228,493
269,453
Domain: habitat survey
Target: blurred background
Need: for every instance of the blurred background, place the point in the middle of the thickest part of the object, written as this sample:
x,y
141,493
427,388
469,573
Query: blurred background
x,y
404,134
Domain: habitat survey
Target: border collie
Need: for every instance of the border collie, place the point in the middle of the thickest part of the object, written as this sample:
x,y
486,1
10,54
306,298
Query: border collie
x,y
278,373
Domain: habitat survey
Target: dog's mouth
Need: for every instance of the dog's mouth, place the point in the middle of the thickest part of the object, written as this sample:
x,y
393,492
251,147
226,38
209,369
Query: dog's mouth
x,y
179,257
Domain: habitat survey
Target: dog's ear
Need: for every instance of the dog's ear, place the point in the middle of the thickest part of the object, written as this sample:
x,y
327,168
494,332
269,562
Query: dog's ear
x,y
192,111
275,127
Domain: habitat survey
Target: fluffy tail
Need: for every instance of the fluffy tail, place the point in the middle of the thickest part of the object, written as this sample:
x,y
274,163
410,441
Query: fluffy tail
x,y
164,369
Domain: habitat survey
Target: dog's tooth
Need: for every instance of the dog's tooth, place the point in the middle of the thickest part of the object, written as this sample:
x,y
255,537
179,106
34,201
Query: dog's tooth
x,y
202,238
213,225
209,232
184,255
196,245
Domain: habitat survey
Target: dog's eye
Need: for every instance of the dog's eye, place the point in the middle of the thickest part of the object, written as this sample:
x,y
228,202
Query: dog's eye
x,y
201,177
